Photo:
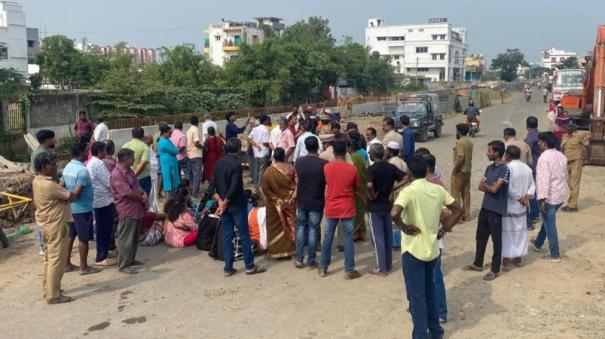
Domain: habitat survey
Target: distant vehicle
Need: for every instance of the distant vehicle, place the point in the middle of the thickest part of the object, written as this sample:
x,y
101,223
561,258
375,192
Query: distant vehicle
x,y
424,113
473,129
566,80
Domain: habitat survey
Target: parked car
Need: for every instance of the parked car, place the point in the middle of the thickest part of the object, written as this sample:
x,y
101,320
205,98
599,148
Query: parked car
x,y
424,113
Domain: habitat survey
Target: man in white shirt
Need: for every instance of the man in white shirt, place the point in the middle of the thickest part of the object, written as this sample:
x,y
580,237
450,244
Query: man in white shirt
x,y
194,151
259,139
207,123
372,138
301,149
101,132
103,203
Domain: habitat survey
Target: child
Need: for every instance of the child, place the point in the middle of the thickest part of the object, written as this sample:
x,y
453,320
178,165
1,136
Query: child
x,y
181,229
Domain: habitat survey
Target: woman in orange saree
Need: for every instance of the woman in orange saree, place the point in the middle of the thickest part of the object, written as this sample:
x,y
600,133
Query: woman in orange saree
x,y
278,187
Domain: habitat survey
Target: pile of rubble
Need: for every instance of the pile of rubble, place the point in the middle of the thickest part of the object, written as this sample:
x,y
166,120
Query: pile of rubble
x,y
15,179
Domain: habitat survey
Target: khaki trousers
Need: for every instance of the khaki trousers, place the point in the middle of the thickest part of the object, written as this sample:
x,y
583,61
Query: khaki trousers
x,y
574,174
461,191
53,265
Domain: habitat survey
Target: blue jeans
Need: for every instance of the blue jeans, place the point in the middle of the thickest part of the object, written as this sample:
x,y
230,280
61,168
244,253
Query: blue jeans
x,y
307,229
382,235
239,219
145,184
440,289
348,225
104,218
420,287
186,168
549,230
533,211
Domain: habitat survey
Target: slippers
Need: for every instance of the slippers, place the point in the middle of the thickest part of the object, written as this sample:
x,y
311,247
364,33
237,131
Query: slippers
x,y
255,270
472,267
90,270
72,268
137,263
60,300
232,272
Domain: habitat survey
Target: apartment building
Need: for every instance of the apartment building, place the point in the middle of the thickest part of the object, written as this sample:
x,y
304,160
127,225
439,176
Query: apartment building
x,y
553,57
13,37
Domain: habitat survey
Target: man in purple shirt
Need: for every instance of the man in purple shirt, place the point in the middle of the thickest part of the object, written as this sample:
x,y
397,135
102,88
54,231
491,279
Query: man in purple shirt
x,y
532,140
131,203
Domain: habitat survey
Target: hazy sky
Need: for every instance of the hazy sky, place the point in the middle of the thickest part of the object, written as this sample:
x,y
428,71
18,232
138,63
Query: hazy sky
x,y
493,25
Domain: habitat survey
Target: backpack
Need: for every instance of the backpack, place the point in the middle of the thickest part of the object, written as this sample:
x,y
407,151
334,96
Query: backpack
x,y
216,249
206,232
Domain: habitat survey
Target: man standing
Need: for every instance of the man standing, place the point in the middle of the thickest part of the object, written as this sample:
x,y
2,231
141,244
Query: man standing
x,y
514,223
301,148
551,189
207,124
103,203
77,180
390,134
461,174
372,139
510,139
532,141
381,179
417,212
53,215
101,132
259,139
409,144
194,152
179,141
131,204
83,125
46,138
227,188
342,182
141,165
495,186
310,201
573,147
286,139
276,131
231,130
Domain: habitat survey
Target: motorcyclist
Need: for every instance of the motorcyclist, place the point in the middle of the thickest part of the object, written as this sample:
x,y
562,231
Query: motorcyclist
x,y
472,113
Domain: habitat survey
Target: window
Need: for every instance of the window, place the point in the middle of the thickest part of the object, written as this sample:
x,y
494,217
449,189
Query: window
x,y
562,59
553,59
397,38
422,69
421,30
411,30
396,57
381,38
30,43
422,49
434,56
3,53
441,56
217,37
443,36
409,70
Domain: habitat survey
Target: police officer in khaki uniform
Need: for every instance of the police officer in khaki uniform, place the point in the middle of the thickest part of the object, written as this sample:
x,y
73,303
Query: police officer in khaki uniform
x,y
573,147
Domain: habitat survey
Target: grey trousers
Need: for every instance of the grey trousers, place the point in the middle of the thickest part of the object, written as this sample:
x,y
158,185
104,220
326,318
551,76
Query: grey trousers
x,y
260,164
197,171
128,241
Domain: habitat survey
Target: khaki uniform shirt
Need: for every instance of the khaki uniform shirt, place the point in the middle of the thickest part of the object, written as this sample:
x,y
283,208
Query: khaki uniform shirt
x,y
328,155
526,157
464,147
392,135
51,201
574,146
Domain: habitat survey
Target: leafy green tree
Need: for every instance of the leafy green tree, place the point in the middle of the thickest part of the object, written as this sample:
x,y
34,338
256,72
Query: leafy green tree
x,y
569,63
508,63
57,59
11,82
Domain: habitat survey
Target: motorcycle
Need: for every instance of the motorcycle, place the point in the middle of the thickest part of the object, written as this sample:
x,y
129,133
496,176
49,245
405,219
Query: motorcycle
x,y
473,128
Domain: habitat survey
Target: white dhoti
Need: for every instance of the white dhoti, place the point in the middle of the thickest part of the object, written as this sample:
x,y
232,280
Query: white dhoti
x,y
514,235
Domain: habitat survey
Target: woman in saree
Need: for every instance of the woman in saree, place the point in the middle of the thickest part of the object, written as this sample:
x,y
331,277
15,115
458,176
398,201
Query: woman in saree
x,y
360,204
278,188
171,177
213,151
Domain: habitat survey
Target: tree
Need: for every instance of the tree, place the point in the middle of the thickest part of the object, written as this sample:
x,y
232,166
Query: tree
x,y
507,63
183,66
11,82
58,59
569,63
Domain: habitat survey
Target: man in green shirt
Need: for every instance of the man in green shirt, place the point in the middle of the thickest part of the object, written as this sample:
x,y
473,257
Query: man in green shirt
x,y
417,212
141,166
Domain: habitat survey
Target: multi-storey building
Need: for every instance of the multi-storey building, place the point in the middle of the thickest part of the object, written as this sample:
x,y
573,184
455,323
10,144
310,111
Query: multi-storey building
x,y
225,38
434,51
140,56
553,57
13,37
474,65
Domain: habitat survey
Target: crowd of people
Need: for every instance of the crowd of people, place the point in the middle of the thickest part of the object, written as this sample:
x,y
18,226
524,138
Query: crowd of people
x,y
313,182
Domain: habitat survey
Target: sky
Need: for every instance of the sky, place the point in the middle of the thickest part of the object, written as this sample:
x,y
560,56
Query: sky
x,y
493,25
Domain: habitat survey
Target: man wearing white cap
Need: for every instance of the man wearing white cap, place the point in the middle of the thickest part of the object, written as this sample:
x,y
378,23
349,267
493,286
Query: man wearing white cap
x,y
392,150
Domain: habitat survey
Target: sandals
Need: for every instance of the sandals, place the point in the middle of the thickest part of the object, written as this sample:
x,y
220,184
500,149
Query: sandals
x,y
490,276
72,268
90,270
232,272
298,264
128,270
472,267
137,263
376,272
105,262
323,272
60,300
255,270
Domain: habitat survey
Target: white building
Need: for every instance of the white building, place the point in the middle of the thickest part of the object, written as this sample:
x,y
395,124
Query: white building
x,y
434,51
552,57
225,38
13,37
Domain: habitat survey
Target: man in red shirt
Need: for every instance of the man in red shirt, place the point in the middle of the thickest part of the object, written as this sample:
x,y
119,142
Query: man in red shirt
x,y
342,181
83,125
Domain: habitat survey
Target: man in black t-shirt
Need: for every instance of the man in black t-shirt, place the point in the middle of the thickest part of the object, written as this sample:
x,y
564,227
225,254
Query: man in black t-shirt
x,y
310,200
381,177
495,185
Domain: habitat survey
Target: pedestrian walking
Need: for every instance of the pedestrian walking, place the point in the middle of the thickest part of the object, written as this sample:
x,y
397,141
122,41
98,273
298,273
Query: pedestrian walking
x,y
494,184
417,212
551,189
227,189
131,204
574,148
382,177
463,165
52,215
342,181
77,180
514,223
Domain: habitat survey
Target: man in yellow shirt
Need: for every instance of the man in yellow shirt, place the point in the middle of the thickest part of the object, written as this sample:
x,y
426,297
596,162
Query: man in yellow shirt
x,y
417,212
